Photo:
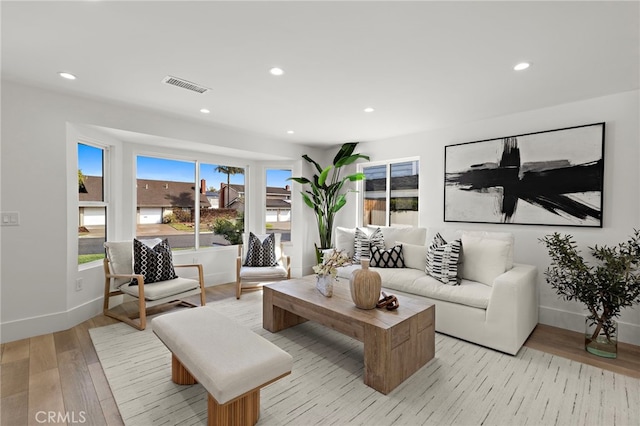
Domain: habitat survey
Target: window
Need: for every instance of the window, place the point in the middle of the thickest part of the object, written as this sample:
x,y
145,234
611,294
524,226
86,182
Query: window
x,y
92,203
278,203
165,206
222,200
390,194
171,205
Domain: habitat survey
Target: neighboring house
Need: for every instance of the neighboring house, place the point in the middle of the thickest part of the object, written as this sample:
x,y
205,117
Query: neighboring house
x,y
214,199
278,201
232,196
89,215
278,204
155,200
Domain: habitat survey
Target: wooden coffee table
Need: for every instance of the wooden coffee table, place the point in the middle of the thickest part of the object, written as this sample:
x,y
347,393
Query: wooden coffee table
x,y
396,343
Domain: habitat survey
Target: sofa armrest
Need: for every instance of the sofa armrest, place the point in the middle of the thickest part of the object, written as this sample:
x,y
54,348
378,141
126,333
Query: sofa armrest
x,y
514,298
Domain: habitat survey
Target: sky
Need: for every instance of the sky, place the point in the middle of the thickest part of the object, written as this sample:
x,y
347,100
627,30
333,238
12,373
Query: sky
x,y
90,163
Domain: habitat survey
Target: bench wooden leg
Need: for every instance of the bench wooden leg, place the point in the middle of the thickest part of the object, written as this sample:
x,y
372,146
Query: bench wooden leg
x,y
179,374
242,411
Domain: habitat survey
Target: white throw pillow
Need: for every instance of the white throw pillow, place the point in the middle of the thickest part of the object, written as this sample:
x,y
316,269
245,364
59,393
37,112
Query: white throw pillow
x,y
408,234
503,236
363,240
415,256
345,240
483,259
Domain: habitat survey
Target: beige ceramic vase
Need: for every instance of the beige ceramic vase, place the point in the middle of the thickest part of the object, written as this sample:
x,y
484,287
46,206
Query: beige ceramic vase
x,y
365,286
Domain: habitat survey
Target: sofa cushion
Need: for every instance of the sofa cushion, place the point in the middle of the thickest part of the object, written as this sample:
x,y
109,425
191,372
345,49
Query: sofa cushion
x,y
442,260
469,293
503,236
390,258
345,240
389,276
415,256
483,259
364,239
408,234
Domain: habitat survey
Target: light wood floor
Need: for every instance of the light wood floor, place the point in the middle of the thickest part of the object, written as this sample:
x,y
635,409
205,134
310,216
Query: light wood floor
x,y
60,372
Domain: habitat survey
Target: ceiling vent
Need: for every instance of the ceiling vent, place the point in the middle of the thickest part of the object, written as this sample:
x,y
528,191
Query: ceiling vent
x,y
185,84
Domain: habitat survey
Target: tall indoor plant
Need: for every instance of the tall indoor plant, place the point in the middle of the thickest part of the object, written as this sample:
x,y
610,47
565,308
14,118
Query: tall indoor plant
x,y
604,289
324,191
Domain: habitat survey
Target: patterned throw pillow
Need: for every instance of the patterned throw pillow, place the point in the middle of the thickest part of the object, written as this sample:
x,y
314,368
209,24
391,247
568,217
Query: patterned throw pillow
x,y
363,243
391,258
442,260
261,253
154,263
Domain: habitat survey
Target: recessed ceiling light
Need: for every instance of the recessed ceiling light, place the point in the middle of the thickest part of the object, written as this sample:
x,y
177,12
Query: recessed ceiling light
x,y
67,75
205,111
290,132
276,71
522,66
369,109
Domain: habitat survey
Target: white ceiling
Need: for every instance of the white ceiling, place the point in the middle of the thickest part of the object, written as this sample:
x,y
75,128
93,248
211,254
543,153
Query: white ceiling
x,y
421,65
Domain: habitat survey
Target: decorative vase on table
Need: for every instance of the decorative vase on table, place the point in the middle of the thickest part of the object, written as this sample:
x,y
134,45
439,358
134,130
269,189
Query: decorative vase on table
x,y
324,284
365,286
601,338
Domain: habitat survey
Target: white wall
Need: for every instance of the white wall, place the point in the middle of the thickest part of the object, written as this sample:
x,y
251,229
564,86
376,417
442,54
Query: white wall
x,y
39,135
621,191
38,178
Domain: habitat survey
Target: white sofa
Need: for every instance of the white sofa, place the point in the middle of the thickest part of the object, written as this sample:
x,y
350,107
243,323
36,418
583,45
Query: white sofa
x,y
499,313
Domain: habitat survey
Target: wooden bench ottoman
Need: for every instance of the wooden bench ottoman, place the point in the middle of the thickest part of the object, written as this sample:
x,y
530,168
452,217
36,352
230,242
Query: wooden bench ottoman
x,y
230,361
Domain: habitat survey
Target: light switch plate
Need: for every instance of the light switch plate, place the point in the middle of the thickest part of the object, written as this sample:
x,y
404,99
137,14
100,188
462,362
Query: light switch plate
x,y
10,219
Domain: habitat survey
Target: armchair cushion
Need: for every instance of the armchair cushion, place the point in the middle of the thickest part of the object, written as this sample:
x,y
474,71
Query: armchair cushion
x,y
261,252
162,289
155,263
120,257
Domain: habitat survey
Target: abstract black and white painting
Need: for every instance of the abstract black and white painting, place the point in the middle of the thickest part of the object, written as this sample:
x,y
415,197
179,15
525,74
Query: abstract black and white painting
x,y
544,178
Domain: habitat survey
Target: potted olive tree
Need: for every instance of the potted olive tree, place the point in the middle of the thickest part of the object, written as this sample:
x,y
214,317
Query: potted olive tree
x,y
605,288
324,191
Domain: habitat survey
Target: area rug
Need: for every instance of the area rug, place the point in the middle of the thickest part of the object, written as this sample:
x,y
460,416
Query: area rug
x,y
464,384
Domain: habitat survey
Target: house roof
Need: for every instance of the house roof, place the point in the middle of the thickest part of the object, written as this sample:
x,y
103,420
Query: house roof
x,y
150,193
93,186
160,193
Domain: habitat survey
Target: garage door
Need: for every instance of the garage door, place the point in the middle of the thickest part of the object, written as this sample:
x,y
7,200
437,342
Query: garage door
x,y
150,215
93,216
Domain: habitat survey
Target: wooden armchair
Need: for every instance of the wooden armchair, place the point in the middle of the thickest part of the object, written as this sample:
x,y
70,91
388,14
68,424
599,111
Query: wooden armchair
x,y
252,277
119,276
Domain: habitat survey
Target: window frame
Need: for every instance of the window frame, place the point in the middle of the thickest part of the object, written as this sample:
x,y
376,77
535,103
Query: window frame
x,y
106,194
361,187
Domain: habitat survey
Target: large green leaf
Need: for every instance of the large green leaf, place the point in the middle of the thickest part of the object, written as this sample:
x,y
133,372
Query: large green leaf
x,y
345,151
302,180
350,159
310,160
340,202
307,200
356,177
323,176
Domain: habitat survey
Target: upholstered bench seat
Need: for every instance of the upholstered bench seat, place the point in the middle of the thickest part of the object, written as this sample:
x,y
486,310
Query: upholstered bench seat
x,y
162,289
230,361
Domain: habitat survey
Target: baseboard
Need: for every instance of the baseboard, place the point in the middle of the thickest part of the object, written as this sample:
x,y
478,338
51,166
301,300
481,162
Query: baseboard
x,y
627,333
50,323
59,321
